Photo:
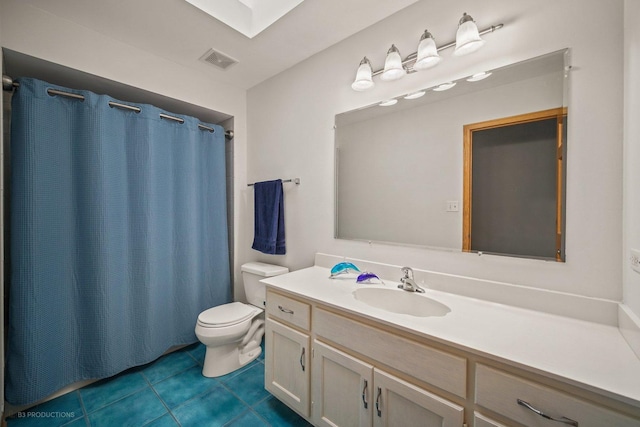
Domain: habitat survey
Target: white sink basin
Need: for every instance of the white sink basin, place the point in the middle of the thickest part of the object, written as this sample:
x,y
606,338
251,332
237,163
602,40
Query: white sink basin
x,y
399,301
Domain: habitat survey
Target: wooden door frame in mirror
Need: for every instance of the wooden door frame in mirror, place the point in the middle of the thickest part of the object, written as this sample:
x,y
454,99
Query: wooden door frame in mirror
x,y
560,114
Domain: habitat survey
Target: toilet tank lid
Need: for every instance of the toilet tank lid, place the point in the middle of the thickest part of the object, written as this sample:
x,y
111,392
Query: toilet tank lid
x,y
264,269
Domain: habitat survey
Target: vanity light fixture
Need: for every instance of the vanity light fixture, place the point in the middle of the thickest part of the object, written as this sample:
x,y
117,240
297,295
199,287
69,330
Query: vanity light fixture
x,y
393,68
467,37
444,86
415,95
363,80
479,76
467,40
388,103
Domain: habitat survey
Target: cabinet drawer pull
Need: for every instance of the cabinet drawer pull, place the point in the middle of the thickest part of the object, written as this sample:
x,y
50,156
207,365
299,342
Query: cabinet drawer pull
x,y
364,394
285,310
302,359
379,402
563,420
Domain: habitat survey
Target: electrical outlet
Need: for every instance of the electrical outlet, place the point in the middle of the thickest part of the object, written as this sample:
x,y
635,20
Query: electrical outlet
x,y
452,206
634,260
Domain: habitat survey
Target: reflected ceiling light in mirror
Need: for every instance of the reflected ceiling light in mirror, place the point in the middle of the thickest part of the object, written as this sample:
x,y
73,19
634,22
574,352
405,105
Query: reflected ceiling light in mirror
x,y
479,76
415,95
444,86
393,68
467,37
427,52
388,103
364,79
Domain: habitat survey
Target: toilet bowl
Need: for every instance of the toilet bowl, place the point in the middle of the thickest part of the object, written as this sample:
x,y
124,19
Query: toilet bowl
x,y
233,332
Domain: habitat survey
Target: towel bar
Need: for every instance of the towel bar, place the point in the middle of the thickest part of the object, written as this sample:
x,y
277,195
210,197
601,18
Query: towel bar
x,y
296,181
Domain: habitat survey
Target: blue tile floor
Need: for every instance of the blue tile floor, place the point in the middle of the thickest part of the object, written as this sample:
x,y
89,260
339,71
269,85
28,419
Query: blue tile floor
x,y
170,391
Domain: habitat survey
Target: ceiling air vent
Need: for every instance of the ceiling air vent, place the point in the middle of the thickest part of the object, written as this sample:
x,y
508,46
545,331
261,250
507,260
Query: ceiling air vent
x,y
218,59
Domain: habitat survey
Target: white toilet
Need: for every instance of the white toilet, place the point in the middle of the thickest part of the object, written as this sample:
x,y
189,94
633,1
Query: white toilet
x,y
233,332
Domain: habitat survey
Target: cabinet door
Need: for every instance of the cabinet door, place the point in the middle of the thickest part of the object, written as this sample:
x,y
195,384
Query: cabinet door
x,y
342,388
286,365
398,403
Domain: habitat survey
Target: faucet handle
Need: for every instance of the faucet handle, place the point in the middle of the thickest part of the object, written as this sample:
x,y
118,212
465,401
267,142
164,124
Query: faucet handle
x,y
408,272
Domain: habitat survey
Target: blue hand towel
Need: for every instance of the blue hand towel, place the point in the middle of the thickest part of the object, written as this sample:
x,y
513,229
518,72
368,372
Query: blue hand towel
x,y
269,217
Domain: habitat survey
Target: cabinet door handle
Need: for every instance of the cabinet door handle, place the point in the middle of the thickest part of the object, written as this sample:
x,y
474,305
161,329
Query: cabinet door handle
x,y
285,310
302,359
364,394
379,402
563,420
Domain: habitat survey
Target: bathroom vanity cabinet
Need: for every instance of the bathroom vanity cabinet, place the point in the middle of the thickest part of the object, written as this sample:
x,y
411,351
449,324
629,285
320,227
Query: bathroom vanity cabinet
x,y
287,345
339,368
345,390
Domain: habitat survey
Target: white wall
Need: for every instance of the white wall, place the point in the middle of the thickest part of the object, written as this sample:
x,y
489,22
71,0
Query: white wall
x,y
631,153
291,118
29,30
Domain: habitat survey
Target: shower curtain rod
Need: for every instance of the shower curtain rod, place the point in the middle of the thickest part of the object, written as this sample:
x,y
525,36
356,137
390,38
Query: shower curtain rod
x,y
8,84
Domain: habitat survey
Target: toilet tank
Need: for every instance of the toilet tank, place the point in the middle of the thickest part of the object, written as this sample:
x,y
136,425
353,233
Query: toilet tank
x,y
252,273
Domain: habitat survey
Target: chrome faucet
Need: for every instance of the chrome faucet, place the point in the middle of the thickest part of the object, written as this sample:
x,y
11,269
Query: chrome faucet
x,y
407,283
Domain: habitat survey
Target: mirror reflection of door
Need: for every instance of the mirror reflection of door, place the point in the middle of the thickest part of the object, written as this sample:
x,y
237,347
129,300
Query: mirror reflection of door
x,y
513,199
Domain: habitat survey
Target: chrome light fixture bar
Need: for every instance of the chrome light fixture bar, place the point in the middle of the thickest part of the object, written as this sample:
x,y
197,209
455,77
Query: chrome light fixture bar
x,y
468,40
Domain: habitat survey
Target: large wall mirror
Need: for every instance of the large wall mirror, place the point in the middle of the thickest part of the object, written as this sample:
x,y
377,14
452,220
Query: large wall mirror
x,y
479,167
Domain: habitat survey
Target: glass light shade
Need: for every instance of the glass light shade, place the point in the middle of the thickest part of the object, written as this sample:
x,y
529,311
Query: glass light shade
x,y
364,78
467,38
393,69
427,52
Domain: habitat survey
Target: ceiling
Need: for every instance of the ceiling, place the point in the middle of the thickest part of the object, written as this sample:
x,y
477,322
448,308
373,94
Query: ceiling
x,y
181,33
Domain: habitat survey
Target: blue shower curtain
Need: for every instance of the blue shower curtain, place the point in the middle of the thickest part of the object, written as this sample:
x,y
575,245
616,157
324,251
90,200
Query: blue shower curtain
x,y
118,237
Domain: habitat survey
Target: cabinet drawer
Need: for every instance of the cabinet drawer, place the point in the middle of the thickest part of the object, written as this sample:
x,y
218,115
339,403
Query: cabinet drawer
x,y
289,310
443,370
499,392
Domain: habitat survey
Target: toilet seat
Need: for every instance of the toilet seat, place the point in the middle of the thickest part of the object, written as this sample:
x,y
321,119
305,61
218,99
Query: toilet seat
x,y
227,315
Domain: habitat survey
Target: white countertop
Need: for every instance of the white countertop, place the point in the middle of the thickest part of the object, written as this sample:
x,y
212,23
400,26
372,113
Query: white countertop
x,y
591,355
